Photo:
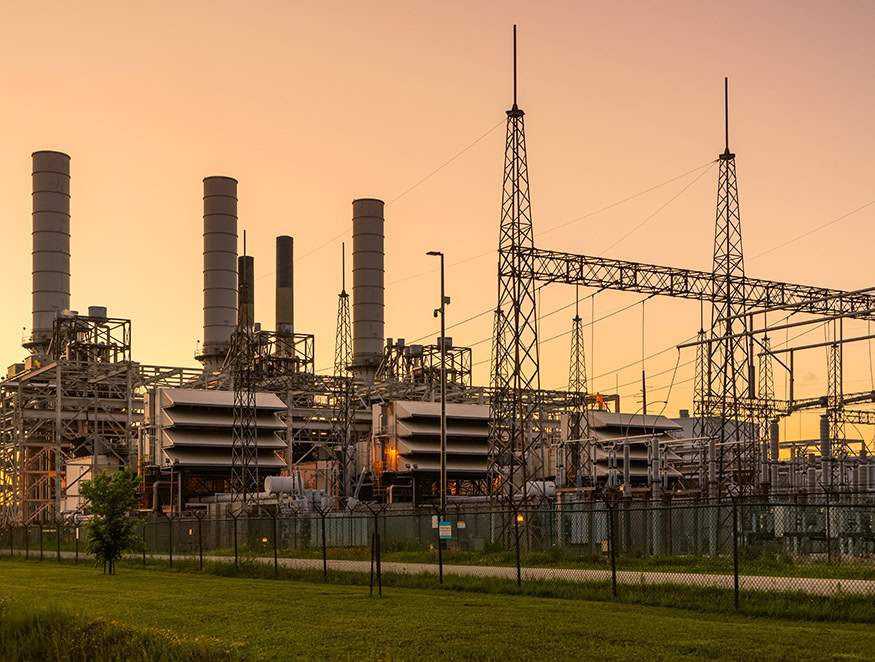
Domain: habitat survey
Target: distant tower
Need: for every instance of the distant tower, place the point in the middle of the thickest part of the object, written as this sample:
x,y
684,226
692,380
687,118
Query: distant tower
x,y
244,444
835,446
343,338
515,433
766,386
578,426
344,439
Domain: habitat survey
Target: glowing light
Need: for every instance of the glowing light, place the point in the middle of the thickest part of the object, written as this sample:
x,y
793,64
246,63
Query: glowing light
x,y
520,518
264,540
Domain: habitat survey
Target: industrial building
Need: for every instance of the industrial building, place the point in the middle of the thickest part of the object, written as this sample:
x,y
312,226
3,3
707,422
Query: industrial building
x,y
256,426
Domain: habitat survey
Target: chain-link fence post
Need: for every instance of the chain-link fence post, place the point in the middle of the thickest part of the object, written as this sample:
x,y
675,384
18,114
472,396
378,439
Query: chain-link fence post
x,y
517,518
276,564
11,546
58,538
376,552
735,547
142,535
200,539
440,546
236,557
379,566
373,558
40,541
170,537
322,514
612,543
828,530
27,542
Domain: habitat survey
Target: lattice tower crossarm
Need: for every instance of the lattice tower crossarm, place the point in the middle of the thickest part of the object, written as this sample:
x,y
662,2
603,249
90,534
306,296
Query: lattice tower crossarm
x,y
609,274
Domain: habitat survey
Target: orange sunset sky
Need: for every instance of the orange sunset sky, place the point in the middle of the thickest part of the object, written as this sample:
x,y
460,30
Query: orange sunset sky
x,y
310,105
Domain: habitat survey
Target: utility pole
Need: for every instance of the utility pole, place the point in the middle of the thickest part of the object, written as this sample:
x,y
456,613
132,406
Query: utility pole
x,y
443,340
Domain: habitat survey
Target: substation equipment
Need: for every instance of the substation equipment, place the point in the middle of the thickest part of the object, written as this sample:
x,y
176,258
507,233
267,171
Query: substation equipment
x,y
256,426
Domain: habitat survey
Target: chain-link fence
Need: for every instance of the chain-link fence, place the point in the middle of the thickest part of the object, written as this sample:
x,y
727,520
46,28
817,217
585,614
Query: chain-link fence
x,y
819,546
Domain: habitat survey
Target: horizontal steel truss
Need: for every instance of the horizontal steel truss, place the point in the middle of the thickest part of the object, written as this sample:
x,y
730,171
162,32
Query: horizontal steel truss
x,y
604,273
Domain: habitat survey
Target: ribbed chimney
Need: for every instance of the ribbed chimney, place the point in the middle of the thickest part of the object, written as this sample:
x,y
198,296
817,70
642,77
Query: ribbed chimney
x,y
367,287
51,244
220,269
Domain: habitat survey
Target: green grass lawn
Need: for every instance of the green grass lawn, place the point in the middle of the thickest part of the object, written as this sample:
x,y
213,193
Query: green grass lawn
x,y
298,620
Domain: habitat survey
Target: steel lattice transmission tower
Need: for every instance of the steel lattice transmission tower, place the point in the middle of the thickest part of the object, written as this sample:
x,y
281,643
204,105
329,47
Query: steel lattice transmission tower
x,y
244,445
515,448
343,395
343,338
578,424
766,387
719,405
835,445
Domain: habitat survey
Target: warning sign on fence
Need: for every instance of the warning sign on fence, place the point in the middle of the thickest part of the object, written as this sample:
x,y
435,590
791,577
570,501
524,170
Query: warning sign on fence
x,y
446,531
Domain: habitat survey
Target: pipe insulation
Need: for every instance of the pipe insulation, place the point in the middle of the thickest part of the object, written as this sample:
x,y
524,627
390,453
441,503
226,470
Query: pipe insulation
x,y
368,271
220,268
51,243
285,286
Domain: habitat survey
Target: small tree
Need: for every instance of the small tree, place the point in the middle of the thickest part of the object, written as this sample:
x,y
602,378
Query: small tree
x,y
111,501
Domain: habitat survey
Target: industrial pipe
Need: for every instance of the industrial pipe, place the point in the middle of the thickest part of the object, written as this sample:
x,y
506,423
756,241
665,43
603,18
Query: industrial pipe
x,y
156,501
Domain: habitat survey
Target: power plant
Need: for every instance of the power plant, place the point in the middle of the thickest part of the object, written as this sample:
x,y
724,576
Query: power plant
x,y
256,427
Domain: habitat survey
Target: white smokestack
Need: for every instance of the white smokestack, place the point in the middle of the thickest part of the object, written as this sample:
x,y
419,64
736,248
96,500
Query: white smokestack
x,y
367,287
220,269
51,244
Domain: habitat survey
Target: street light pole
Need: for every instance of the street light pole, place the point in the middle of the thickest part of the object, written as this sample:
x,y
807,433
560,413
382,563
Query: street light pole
x,y
443,343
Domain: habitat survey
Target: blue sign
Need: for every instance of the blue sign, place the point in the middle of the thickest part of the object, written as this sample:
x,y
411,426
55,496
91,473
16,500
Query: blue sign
x,y
445,530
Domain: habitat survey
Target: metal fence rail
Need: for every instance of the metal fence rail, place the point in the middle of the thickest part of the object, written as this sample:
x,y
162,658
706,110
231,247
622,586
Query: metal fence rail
x,y
820,547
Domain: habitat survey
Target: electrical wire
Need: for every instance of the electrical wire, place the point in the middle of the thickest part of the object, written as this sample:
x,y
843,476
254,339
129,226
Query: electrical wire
x,y
580,218
437,170
620,202
812,231
395,199
666,204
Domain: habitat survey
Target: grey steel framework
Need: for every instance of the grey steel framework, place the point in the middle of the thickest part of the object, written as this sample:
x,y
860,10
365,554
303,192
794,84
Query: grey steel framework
x,y
343,431
726,400
516,443
579,466
420,365
720,415
244,446
85,402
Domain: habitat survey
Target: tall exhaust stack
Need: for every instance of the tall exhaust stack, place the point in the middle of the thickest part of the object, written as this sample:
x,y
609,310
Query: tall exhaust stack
x,y
246,289
367,287
285,282
51,244
220,269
